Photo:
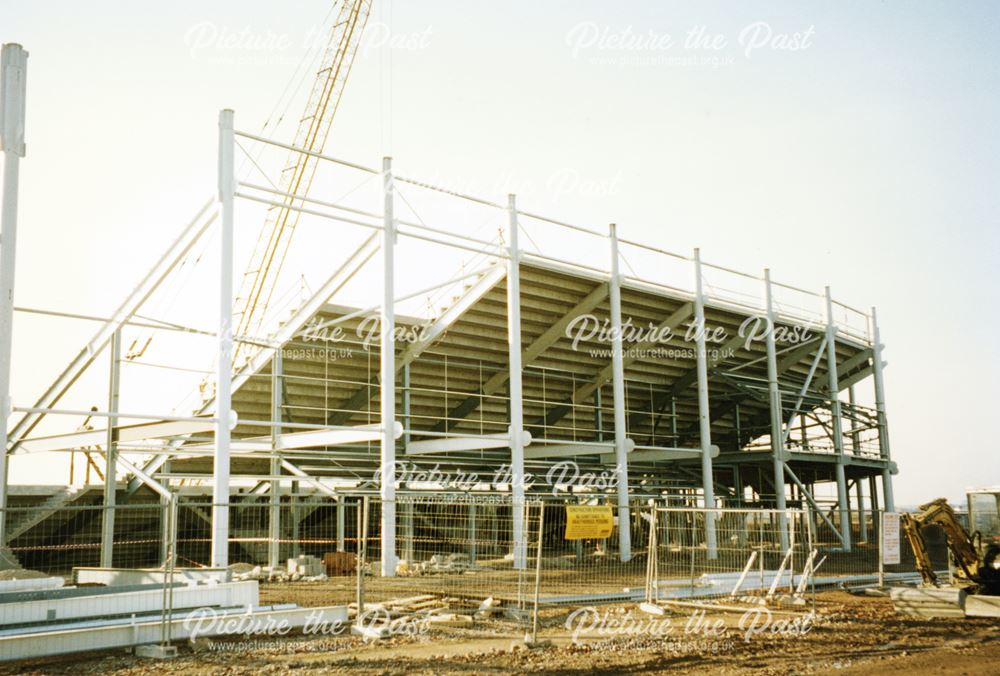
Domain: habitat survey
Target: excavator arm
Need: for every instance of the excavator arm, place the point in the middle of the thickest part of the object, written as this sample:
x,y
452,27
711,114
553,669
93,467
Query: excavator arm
x,y
963,547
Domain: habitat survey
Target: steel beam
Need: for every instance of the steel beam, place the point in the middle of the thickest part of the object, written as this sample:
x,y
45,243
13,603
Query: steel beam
x,y
820,351
431,333
428,336
137,631
461,443
568,449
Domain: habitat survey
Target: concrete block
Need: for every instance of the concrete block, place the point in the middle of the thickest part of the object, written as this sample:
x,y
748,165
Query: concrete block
x,y
929,601
305,565
156,651
982,606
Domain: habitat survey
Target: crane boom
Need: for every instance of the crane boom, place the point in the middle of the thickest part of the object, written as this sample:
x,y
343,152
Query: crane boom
x,y
259,280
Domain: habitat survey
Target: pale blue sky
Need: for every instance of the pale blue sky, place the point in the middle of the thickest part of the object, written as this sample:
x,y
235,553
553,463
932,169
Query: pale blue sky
x,y
867,161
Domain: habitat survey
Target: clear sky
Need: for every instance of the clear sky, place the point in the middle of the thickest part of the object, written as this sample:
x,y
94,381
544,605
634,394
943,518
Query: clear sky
x,y
866,159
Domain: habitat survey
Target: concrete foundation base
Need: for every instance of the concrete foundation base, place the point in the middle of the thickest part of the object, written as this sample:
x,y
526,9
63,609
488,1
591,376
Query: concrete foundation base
x,y
929,602
157,652
982,606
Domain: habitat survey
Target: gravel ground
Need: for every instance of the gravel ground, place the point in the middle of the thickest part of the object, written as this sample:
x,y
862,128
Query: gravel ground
x,y
850,635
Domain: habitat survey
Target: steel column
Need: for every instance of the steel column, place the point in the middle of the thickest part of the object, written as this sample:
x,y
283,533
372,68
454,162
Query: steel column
x,y
224,368
13,81
111,452
387,352
774,404
166,500
836,420
618,387
407,507
704,423
883,425
856,443
274,508
514,384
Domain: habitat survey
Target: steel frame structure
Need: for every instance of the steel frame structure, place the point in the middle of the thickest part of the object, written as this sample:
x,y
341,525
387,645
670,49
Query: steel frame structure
x,y
736,433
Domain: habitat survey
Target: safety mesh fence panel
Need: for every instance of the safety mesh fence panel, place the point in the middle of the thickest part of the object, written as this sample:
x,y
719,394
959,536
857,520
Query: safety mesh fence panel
x,y
54,539
466,550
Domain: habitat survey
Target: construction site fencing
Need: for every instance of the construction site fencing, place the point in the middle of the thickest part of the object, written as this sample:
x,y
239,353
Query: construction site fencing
x,y
55,542
469,552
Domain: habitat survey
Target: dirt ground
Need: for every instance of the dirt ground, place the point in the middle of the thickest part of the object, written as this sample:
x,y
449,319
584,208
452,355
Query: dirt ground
x,y
849,635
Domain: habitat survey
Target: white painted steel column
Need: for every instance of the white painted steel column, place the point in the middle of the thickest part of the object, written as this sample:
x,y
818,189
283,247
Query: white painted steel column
x,y
856,443
774,404
224,375
515,388
618,388
407,507
387,352
13,87
883,425
837,424
111,452
274,509
704,423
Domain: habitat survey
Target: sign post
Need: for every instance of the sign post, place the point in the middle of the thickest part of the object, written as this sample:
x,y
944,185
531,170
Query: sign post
x,y
888,544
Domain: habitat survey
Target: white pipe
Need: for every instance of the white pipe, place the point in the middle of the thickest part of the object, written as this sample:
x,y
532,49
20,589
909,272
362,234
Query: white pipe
x,y
777,576
743,575
13,87
387,362
224,376
704,423
148,480
618,388
774,404
516,395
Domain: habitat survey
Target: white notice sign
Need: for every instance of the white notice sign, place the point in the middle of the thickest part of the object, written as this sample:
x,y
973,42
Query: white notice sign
x,y
890,538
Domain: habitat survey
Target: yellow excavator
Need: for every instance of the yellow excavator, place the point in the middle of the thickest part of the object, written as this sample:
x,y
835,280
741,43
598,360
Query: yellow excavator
x,y
976,566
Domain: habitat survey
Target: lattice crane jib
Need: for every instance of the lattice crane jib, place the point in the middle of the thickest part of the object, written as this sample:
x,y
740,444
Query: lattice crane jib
x,y
259,281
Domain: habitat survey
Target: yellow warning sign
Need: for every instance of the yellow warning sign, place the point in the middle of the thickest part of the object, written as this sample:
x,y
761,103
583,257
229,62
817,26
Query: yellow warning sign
x,y
584,522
